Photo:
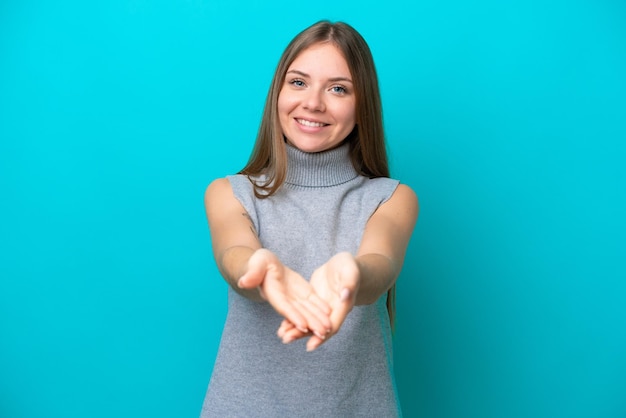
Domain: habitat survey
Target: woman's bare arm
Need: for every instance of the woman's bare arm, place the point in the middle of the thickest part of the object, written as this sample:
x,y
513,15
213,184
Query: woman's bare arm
x,y
383,247
233,236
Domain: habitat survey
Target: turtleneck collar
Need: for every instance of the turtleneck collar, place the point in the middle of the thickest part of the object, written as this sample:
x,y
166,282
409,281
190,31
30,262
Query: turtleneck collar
x,y
319,169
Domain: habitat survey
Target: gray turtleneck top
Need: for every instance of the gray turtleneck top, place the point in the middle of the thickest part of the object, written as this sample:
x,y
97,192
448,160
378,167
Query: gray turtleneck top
x,y
320,210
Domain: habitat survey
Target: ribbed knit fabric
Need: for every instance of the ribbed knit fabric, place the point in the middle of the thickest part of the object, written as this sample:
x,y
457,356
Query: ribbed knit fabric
x,y
320,210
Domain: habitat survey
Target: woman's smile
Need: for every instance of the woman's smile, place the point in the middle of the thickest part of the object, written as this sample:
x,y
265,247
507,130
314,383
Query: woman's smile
x,y
311,123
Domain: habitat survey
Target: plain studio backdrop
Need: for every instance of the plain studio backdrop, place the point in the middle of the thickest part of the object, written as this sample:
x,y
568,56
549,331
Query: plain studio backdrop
x,y
506,118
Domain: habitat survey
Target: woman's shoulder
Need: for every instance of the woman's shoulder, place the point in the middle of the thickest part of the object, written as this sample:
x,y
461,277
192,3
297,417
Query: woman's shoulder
x,y
229,184
217,190
390,187
237,187
403,200
406,194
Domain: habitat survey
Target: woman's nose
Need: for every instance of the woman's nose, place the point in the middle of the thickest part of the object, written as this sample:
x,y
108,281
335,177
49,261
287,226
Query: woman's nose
x,y
314,101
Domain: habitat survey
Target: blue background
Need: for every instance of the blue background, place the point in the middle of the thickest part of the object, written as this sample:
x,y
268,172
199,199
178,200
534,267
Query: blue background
x,y
507,119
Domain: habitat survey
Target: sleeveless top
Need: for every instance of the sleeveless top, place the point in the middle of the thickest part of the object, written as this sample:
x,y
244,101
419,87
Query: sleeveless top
x,y
320,210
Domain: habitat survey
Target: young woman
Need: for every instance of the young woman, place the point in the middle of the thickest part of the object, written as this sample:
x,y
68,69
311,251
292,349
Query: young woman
x,y
311,236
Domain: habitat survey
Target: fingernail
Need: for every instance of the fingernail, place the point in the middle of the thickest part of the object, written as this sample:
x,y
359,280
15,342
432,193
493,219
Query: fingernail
x,y
344,295
303,330
322,336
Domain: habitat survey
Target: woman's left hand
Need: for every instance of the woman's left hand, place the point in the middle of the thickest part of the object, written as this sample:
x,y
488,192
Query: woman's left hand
x,y
336,282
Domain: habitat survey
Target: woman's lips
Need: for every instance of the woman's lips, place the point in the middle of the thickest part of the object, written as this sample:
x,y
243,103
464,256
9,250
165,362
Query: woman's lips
x,y
310,123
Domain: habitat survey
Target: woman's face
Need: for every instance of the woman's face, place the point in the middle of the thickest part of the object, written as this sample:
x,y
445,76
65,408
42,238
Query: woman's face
x,y
316,105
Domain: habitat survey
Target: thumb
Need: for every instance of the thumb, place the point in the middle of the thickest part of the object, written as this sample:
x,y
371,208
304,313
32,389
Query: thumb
x,y
349,277
254,275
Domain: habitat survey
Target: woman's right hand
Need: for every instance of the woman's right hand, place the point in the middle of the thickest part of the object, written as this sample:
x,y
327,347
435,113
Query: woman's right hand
x,y
246,266
288,292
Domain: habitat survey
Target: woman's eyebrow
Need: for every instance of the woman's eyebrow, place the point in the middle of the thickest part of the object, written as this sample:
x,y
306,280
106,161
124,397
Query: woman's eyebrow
x,y
333,79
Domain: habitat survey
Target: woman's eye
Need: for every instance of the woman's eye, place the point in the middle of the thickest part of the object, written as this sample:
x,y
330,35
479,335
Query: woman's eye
x,y
297,83
339,89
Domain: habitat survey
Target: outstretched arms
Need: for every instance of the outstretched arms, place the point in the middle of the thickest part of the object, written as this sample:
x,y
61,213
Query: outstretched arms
x,y
318,307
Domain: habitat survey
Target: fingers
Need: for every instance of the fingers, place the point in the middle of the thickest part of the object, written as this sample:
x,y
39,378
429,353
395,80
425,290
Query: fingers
x,y
337,283
304,312
313,343
285,326
294,298
286,309
315,308
317,313
318,303
287,332
316,321
337,317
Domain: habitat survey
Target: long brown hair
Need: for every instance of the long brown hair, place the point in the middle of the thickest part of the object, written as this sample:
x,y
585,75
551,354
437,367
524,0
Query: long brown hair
x,y
367,141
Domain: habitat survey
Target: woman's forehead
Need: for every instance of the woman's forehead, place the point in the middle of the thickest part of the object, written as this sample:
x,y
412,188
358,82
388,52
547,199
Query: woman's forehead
x,y
321,58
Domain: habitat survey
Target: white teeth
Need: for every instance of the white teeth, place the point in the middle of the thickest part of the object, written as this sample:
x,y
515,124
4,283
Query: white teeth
x,y
309,123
